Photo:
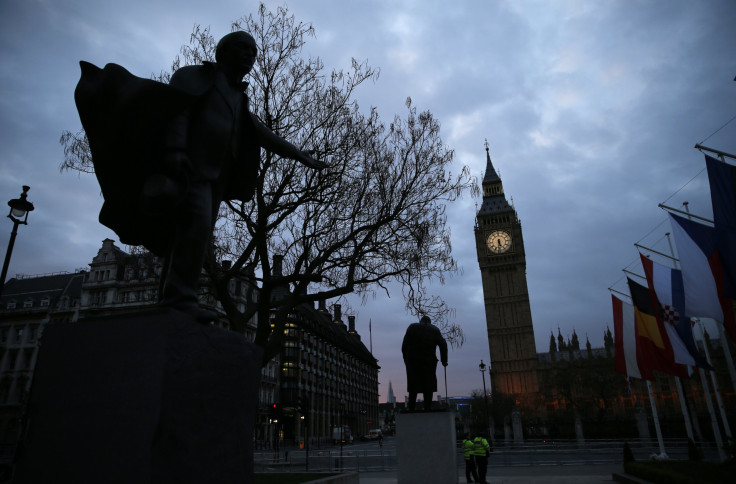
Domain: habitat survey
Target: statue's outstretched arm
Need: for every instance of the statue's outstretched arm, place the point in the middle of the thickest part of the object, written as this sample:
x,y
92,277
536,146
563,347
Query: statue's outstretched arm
x,y
272,142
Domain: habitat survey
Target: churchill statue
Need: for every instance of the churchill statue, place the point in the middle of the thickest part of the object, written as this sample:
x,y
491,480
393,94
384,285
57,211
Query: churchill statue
x,y
419,350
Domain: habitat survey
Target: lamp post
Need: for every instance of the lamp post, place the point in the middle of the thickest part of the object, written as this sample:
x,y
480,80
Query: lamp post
x,y
19,208
342,427
482,367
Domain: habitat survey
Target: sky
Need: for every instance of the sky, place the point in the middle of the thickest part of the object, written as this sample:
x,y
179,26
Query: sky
x,y
591,111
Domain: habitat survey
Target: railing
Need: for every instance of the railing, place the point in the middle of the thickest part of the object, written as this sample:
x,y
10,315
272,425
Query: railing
x,y
536,453
359,460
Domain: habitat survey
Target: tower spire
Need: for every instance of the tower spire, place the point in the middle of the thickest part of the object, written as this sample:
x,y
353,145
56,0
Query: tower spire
x,y
490,175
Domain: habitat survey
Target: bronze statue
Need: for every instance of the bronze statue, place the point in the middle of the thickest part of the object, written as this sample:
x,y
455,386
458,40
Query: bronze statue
x,y
166,156
419,350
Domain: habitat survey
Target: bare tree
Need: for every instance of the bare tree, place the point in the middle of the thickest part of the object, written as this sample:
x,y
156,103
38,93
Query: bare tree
x,y
374,218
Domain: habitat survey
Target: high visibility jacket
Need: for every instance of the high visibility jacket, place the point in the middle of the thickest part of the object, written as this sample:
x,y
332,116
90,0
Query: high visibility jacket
x,y
480,446
467,449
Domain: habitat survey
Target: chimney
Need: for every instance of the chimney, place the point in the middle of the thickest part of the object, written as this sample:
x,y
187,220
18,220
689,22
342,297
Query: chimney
x,y
351,327
351,324
277,269
338,313
322,306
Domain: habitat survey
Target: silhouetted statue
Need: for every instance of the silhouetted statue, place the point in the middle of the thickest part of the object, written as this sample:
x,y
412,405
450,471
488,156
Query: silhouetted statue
x,y
166,156
419,350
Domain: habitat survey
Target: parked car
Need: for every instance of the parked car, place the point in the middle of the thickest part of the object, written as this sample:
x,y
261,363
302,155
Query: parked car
x,y
372,435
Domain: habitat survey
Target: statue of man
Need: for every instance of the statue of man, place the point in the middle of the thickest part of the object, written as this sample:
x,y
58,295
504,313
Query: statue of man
x,y
184,148
419,350
217,142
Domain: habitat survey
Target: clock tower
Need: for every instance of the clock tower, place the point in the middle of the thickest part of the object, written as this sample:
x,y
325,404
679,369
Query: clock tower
x,y
502,261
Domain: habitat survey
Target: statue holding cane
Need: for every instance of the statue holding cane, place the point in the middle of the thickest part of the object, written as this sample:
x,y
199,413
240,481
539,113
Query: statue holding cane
x,y
419,351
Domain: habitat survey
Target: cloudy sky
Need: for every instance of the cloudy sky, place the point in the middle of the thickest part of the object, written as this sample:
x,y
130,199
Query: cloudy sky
x,y
591,110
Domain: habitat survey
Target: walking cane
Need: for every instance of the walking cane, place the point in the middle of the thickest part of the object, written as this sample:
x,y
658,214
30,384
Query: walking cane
x,y
447,396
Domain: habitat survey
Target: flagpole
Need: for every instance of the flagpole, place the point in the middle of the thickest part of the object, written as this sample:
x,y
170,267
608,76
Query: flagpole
x,y
719,401
655,417
727,354
370,333
671,257
689,215
685,413
619,293
713,421
678,383
718,152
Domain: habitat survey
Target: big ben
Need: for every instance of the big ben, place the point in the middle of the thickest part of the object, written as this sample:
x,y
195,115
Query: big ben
x,y
502,262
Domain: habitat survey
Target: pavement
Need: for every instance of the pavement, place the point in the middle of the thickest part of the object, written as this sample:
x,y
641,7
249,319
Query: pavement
x,y
560,474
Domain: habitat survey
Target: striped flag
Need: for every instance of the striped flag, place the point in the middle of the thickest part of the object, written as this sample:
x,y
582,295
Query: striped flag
x,y
624,343
653,341
668,295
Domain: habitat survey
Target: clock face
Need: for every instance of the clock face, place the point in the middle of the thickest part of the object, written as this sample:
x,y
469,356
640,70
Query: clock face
x,y
499,241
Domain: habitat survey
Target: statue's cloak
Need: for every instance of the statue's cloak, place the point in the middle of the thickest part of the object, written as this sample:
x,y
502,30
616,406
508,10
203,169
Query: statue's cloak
x,y
124,117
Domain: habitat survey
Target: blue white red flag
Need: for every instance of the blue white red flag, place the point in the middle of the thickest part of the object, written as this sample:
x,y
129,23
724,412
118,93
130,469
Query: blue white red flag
x,y
702,275
722,177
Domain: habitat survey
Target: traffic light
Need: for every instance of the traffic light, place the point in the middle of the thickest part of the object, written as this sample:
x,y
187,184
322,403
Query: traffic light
x,y
276,410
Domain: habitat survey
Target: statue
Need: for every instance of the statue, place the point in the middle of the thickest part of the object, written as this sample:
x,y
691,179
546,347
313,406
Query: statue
x,y
419,350
166,156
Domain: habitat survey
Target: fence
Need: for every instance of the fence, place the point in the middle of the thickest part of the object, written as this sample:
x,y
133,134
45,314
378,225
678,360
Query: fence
x,y
533,453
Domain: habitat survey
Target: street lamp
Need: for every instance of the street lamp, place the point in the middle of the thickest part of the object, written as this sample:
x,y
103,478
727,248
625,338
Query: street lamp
x,y
482,367
342,427
19,208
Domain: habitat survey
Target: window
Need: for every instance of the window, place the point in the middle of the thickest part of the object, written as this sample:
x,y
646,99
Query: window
x,y
99,297
18,335
32,333
28,303
12,357
27,358
45,302
11,304
4,391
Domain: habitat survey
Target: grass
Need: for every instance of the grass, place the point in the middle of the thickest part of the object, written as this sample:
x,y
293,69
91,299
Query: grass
x,y
682,471
287,477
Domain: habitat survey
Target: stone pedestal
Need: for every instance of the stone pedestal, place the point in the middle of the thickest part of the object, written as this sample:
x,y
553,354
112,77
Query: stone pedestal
x,y
516,423
426,447
642,422
143,397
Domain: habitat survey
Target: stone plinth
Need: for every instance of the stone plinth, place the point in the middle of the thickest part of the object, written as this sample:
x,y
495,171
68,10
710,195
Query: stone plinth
x,y
426,447
143,397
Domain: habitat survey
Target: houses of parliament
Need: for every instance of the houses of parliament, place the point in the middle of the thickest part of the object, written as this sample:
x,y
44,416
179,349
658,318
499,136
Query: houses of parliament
x,y
570,390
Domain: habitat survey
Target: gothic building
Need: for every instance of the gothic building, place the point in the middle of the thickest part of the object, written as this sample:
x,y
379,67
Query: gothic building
x,y
569,388
502,260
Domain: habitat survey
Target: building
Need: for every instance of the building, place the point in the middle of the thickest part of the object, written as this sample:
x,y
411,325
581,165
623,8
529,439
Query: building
x,y
569,391
328,378
502,261
26,306
391,398
324,373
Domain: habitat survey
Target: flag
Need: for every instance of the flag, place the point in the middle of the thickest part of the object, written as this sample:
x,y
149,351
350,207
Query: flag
x,y
668,294
722,177
653,341
624,344
702,276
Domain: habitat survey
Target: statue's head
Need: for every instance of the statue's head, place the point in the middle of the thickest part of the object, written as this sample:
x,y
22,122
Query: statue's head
x,y
425,320
238,50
